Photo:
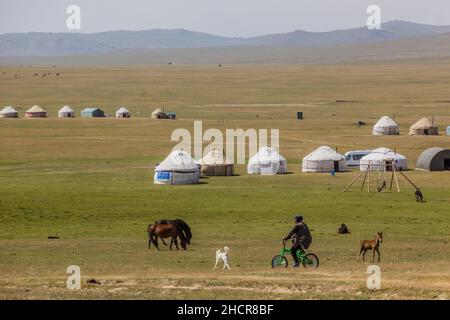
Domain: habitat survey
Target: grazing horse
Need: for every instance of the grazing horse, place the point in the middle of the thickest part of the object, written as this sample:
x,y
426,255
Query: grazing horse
x,y
373,245
180,224
167,230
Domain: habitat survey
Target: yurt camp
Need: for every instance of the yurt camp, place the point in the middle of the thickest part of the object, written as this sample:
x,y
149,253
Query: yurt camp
x,y
66,112
35,112
434,159
159,114
93,112
383,159
9,112
385,126
324,159
216,164
424,127
123,113
267,161
177,168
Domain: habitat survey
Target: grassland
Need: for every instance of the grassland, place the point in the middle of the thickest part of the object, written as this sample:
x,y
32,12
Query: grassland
x,y
90,183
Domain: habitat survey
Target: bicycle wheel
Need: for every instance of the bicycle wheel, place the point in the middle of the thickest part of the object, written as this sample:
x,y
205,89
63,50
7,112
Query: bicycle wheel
x,y
311,261
279,262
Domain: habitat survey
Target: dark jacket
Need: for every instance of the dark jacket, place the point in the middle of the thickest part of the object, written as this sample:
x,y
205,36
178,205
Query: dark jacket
x,y
302,235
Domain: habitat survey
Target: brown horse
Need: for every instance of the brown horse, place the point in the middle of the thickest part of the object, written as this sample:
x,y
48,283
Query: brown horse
x,y
373,245
167,230
181,225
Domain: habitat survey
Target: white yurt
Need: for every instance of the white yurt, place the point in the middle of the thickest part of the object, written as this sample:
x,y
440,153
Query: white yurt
x,y
159,114
381,158
9,112
324,159
177,168
123,113
35,112
66,112
267,161
216,164
424,127
385,126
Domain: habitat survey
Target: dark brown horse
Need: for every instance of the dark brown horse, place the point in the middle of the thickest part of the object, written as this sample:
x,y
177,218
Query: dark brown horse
x,y
181,225
166,230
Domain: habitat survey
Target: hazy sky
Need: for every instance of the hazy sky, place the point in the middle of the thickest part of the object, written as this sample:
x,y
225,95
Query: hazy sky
x,y
222,17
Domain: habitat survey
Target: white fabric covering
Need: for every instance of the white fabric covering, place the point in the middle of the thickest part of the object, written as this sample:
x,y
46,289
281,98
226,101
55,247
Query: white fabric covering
x,y
122,113
267,161
66,112
324,159
378,157
8,112
178,168
385,126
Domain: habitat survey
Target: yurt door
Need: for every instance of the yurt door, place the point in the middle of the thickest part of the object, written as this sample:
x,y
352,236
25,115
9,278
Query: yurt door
x,y
336,166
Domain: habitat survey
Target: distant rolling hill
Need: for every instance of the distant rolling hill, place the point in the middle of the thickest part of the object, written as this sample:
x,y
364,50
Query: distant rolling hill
x,y
55,44
429,47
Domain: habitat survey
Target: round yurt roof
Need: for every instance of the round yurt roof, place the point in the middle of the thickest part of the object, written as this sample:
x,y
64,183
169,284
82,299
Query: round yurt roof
x,y
425,159
386,121
8,109
158,110
177,160
324,153
122,110
383,154
35,109
423,123
213,158
66,109
266,154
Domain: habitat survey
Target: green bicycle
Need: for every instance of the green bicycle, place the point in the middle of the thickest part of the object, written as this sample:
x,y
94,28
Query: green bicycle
x,y
308,260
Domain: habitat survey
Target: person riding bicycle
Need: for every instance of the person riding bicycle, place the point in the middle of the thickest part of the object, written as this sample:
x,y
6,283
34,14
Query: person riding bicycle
x,y
302,239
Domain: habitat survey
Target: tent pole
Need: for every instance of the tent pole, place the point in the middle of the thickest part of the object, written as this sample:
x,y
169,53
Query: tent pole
x,y
409,180
364,180
396,180
392,181
368,181
354,180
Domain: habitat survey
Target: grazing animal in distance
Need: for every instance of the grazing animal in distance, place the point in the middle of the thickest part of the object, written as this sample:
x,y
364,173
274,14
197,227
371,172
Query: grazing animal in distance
x,y
222,255
419,195
373,245
343,229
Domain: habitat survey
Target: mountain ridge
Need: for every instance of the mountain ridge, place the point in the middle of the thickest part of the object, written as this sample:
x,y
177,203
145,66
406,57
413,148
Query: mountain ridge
x,y
55,44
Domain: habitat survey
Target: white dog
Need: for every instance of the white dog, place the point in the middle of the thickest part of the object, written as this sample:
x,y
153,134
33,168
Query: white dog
x,y
222,255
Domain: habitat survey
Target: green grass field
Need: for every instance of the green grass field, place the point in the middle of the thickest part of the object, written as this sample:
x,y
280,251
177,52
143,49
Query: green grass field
x,y
90,182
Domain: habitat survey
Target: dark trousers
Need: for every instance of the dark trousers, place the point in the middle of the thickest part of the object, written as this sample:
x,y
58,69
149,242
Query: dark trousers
x,y
294,250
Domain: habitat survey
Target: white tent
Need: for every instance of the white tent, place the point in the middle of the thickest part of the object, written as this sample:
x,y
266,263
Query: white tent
x,y
378,159
35,112
267,161
216,164
385,126
66,112
9,112
177,168
324,159
159,114
123,113
424,127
